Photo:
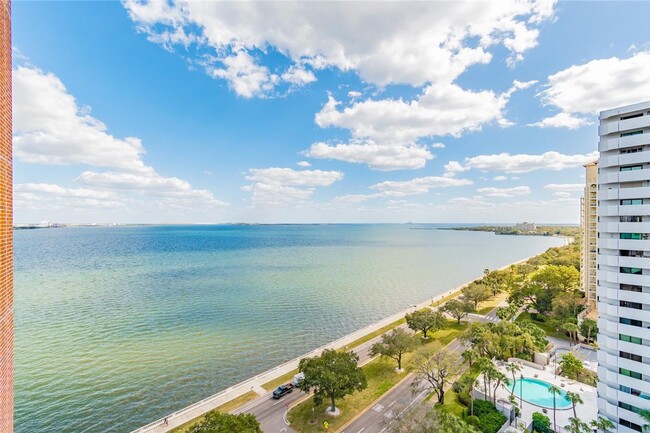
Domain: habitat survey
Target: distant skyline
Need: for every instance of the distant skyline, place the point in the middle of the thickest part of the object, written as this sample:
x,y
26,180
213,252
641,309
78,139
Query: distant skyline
x,y
208,112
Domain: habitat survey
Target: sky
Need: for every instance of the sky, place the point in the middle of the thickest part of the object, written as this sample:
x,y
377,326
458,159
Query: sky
x,y
316,112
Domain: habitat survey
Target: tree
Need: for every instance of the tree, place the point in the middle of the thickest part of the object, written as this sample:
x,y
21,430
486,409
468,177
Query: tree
x,y
572,329
216,422
419,420
571,366
513,369
470,355
567,304
475,293
541,423
394,345
426,320
333,375
602,424
436,367
555,391
457,309
577,426
588,327
645,414
574,398
557,278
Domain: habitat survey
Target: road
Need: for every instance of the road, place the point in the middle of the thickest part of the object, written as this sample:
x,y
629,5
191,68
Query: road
x,y
378,418
272,413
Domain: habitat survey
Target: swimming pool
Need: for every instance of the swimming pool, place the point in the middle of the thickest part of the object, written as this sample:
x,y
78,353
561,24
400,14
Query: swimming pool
x,y
535,391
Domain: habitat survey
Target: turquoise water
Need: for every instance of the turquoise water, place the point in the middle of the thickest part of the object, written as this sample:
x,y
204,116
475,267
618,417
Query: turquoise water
x,y
536,392
116,327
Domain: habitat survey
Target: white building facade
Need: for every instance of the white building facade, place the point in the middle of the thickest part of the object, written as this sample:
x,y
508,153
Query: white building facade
x,y
624,266
588,224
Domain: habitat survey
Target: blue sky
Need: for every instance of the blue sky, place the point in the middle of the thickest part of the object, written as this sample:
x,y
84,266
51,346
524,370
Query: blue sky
x,y
150,112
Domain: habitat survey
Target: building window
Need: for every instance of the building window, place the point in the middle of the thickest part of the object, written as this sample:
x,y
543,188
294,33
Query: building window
x,y
630,373
631,219
631,253
629,339
633,271
629,424
632,201
635,236
632,167
631,288
632,391
630,304
629,407
628,134
631,322
630,356
631,150
632,116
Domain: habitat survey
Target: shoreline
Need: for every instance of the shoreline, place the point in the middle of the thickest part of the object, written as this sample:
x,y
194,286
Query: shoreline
x,y
222,397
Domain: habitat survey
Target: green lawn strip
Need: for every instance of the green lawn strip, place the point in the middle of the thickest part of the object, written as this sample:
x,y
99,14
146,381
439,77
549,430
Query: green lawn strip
x,y
224,408
550,330
285,378
492,303
446,298
376,333
452,404
381,377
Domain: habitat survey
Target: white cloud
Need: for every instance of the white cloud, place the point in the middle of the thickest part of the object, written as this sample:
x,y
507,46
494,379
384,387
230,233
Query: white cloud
x,y
524,163
562,120
50,128
298,75
500,178
425,42
504,192
438,145
420,185
565,186
453,167
49,196
562,194
245,77
303,164
595,86
375,155
276,185
353,94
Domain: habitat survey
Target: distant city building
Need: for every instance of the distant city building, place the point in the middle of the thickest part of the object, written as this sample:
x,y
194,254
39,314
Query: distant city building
x,y
526,227
588,223
624,266
6,229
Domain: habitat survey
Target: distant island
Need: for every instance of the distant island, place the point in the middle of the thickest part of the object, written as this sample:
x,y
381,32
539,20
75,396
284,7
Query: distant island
x,y
523,229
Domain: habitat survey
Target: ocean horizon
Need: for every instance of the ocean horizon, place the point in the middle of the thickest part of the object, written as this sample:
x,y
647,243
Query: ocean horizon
x,y
118,326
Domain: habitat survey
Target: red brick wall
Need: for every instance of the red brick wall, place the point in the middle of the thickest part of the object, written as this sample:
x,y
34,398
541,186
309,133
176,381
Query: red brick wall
x,y
6,222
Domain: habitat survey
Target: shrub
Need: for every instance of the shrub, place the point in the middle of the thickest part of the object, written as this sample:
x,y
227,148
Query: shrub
x,y
490,419
473,420
541,423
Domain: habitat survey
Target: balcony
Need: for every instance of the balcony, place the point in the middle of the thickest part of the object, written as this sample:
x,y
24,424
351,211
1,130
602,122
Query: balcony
x,y
606,292
629,244
635,123
626,295
641,385
633,313
635,331
639,192
634,175
633,262
637,280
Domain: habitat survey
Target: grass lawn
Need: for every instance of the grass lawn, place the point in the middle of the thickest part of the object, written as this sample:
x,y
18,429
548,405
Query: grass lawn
x,y
452,404
381,377
446,298
550,330
492,303
226,407
376,333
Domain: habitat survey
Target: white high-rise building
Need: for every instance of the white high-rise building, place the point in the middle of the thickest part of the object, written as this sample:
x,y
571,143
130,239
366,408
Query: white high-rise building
x,y
588,223
624,266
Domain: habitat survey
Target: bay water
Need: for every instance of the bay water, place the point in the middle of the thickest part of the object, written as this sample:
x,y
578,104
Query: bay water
x,y
118,326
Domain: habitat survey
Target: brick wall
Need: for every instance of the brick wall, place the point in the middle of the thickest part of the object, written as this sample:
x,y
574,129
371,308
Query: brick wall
x,y
6,222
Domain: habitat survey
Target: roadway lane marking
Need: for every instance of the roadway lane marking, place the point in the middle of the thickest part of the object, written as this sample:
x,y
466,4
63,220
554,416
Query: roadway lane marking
x,y
414,400
277,402
394,401
382,430
361,430
378,407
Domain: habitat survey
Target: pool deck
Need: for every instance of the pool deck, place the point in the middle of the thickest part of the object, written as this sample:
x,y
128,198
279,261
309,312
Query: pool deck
x,y
586,412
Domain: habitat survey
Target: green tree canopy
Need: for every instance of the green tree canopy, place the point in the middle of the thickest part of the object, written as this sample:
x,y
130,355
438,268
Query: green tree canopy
x,y
216,422
589,329
333,375
541,423
394,345
571,366
458,309
555,277
475,293
436,367
426,320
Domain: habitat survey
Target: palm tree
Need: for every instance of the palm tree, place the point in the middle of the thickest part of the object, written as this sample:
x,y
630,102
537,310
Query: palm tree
x,y
513,369
572,329
469,356
555,391
645,414
577,426
602,424
574,398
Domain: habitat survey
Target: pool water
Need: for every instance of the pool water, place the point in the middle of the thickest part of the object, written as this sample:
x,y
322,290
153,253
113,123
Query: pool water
x,y
536,392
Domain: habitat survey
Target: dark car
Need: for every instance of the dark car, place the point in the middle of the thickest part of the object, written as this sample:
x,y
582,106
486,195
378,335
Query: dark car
x,y
282,390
